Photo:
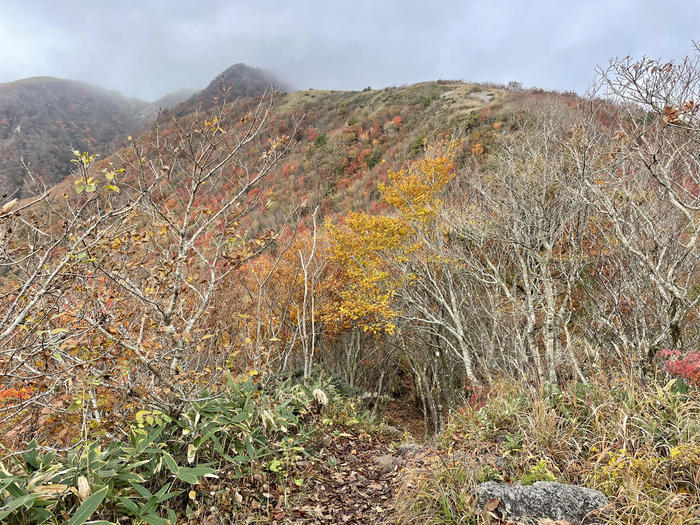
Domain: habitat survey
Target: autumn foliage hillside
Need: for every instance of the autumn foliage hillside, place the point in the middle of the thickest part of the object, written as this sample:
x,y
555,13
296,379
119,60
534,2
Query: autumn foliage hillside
x,y
40,118
188,324
43,118
347,141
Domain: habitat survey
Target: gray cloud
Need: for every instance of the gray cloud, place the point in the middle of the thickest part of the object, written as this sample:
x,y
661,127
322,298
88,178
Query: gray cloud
x,y
149,48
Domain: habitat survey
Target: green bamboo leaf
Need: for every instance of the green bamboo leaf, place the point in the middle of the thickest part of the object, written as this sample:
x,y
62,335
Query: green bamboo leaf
x,y
249,448
129,505
143,491
11,487
88,508
170,463
16,503
154,519
187,477
130,476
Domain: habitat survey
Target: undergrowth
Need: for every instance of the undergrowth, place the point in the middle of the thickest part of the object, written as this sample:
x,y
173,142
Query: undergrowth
x,y
234,451
639,445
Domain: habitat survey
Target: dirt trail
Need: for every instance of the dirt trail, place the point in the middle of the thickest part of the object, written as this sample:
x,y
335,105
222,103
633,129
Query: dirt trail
x,y
352,483
356,472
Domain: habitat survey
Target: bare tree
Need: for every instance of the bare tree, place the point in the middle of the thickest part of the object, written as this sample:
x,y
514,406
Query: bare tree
x,y
646,188
113,290
44,261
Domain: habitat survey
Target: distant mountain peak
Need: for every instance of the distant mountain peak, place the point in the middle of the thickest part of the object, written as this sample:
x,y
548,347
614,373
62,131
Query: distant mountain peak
x,y
244,80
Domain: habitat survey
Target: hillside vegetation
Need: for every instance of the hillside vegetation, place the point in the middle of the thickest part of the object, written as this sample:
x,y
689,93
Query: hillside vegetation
x,y
209,324
44,118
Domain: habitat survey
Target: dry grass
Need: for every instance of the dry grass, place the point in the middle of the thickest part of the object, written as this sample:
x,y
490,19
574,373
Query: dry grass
x,y
638,445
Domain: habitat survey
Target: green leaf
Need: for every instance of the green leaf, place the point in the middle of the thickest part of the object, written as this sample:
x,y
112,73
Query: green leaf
x,y
154,519
229,380
88,508
165,496
241,417
42,515
16,503
249,448
143,491
129,505
187,477
131,476
31,456
170,463
11,481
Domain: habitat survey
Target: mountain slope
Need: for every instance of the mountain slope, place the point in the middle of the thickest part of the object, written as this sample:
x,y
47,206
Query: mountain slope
x,y
165,102
346,141
42,117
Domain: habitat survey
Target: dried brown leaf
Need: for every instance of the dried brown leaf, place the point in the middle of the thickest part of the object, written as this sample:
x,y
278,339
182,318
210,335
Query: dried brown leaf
x,y
491,504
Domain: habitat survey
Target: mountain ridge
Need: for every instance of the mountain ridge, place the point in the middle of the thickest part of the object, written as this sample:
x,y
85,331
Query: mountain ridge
x,y
43,117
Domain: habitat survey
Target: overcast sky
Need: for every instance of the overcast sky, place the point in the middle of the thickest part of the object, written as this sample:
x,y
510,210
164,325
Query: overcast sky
x,y
147,48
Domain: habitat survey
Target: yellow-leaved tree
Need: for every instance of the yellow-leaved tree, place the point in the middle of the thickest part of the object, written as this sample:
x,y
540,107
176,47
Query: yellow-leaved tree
x,y
370,255
414,192
365,245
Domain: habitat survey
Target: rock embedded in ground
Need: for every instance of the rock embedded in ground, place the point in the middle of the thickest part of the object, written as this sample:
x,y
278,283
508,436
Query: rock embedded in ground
x,y
409,449
543,499
393,432
387,463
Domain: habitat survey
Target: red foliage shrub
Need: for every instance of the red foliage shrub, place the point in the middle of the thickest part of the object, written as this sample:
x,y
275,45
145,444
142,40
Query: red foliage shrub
x,y
376,208
13,393
686,366
477,397
311,134
252,194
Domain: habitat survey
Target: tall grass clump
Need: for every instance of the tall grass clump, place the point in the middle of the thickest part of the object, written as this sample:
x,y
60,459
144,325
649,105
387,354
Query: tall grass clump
x,y
639,445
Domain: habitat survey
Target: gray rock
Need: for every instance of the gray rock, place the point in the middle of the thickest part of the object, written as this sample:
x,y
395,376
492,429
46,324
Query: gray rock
x,y
393,432
387,463
543,499
409,449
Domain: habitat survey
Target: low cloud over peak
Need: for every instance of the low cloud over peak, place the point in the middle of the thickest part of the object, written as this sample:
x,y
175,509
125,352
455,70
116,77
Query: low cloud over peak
x,y
150,49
